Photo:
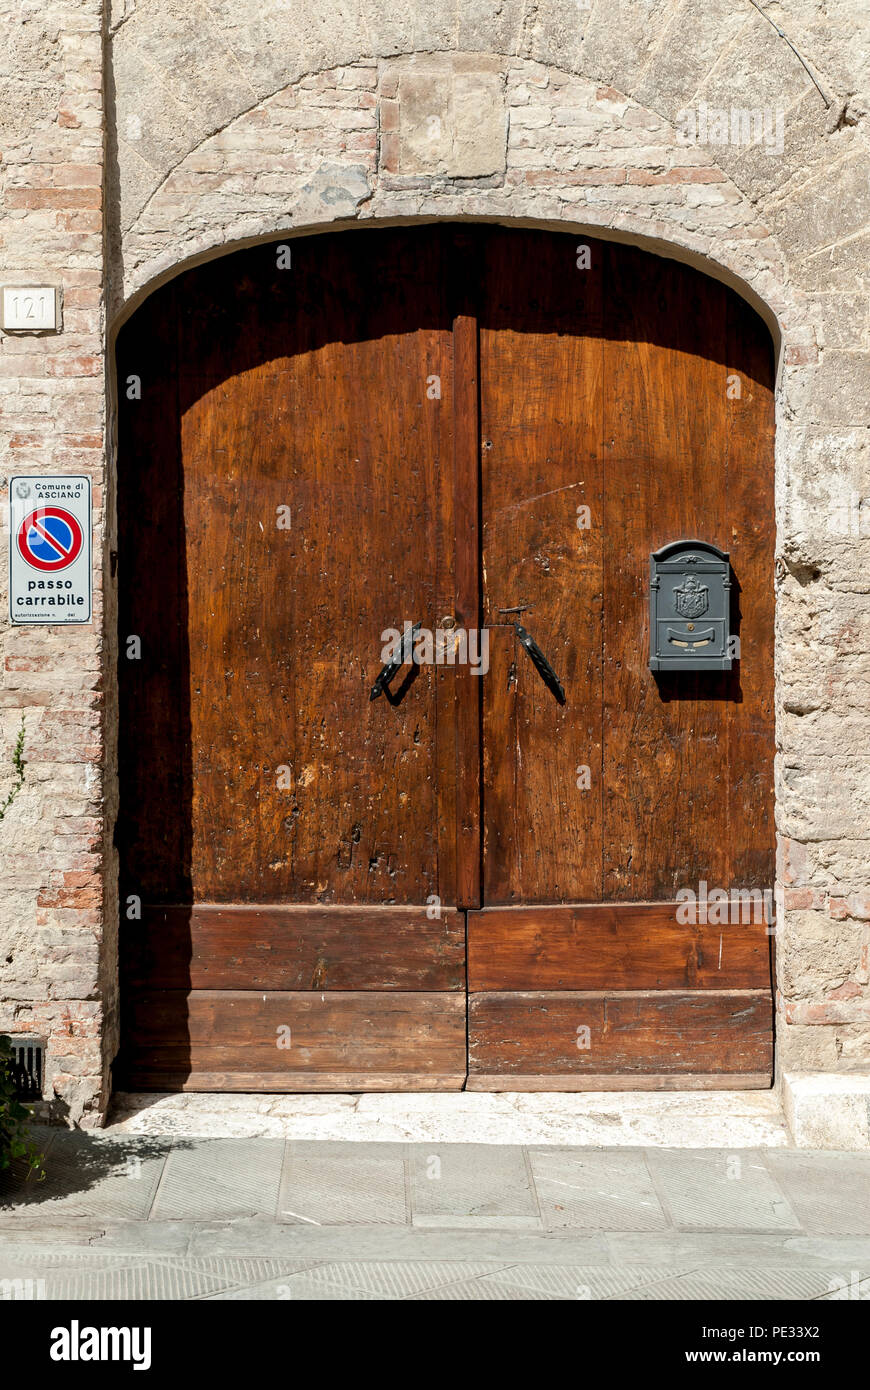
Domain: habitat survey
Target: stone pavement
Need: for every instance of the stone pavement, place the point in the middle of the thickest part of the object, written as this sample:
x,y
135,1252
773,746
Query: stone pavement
x,y
163,1217
540,1119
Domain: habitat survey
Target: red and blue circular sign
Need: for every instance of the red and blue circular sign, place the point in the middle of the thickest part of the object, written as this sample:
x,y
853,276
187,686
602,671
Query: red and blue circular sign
x,y
50,538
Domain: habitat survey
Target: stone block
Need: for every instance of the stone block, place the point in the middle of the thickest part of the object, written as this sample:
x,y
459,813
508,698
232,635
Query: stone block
x,y
815,954
95,1178
690,43
755,71
450,122
554,32
832,207
823,797
829,1110
619,40
339,187
490,28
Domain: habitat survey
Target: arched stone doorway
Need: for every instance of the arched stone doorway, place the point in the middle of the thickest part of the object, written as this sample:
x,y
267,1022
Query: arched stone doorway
x,y
469,428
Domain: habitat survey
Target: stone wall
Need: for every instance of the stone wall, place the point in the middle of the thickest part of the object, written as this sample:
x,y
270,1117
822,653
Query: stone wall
x,y
56,981
235,121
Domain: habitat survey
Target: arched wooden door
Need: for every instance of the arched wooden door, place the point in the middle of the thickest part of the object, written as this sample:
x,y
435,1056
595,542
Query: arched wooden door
x,y
463,880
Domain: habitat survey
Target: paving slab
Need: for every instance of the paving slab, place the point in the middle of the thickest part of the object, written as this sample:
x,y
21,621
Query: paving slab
x,y
720,1191
395,1242
832,1248
14,1180
24,1261
472,1185
482,1290
753,1285
220,1178
87,1276
134,1281
271,1280
140,1237
579,1282
297,1288
136,1217
37,1275
334,1184
607,1190
830,1192
689,1249
92,1178
399,1278
848,1289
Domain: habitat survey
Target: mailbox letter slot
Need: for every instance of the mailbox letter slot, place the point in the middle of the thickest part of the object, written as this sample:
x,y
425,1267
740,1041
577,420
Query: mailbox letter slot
x,y
690,605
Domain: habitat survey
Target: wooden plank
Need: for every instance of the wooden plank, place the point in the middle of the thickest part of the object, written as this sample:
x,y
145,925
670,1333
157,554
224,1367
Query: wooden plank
x,y
542,394
310,452
280,947
665,736
466,455
572,1081
752,539
174,1034
665,1031
611,946
291,1082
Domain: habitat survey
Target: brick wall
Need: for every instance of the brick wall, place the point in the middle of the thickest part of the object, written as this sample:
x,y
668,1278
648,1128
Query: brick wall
x,y
239,121
52,418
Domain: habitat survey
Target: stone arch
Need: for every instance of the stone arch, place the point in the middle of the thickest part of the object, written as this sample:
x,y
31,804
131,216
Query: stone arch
x,y
262,176
299,146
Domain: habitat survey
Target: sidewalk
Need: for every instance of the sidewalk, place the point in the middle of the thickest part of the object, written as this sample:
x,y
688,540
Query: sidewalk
x,y
124,1216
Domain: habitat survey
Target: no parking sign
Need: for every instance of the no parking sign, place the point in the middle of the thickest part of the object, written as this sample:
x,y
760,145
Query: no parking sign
x,y
49,549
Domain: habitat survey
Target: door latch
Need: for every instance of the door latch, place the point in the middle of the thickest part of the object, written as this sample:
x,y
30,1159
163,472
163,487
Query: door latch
x,y
540,663
389,669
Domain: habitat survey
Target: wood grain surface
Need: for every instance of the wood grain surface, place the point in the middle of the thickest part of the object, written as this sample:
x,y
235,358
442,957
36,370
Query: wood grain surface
x,y
666,1031
367,1036
283,947
612,946
420,424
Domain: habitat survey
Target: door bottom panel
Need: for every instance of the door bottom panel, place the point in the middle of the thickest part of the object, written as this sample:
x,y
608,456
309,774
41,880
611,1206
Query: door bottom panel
x,y
637,1035
572,1081
295,1083
248,1040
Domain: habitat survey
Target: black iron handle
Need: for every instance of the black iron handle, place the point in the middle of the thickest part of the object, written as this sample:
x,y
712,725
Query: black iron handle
x,y
540,663
388,671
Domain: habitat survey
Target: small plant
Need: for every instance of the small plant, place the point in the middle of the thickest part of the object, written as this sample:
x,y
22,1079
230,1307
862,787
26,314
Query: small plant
x,y
15,1142
18,765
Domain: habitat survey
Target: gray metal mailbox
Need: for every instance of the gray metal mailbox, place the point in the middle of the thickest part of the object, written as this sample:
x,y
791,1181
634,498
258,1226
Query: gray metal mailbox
x,y
690,602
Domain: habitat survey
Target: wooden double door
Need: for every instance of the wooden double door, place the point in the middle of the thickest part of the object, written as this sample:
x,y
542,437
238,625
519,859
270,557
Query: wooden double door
x,y
471,879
